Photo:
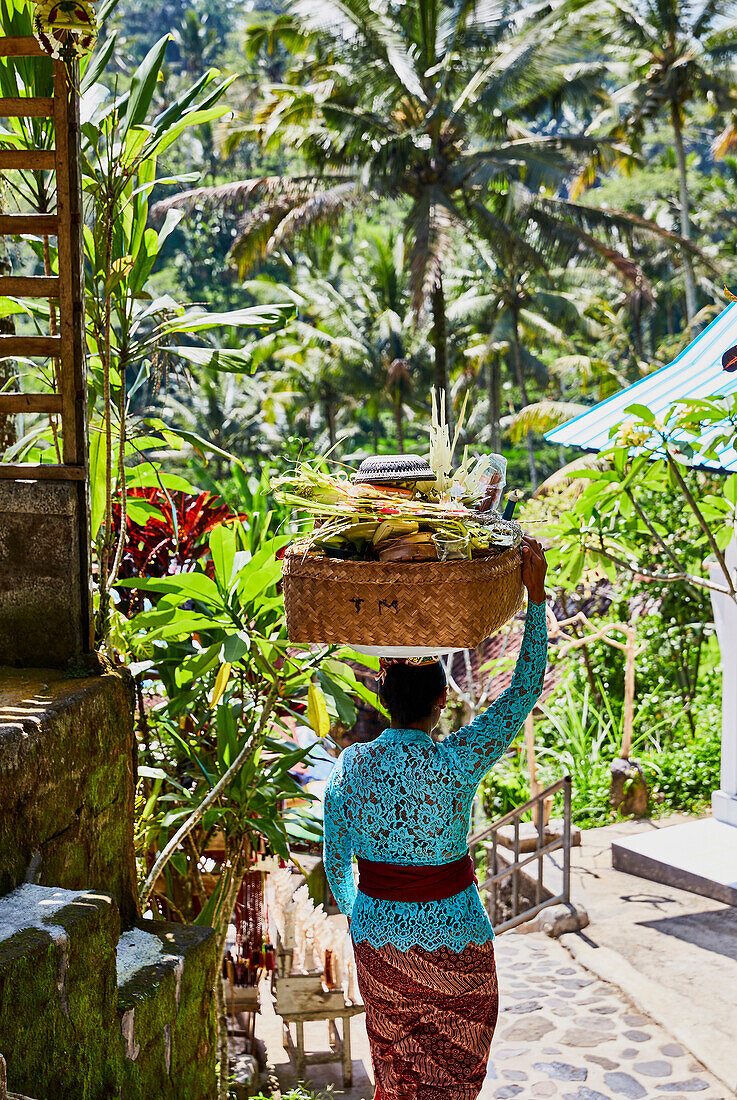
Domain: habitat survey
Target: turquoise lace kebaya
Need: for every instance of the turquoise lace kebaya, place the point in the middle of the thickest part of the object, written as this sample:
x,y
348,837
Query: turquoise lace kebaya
x,y
405,798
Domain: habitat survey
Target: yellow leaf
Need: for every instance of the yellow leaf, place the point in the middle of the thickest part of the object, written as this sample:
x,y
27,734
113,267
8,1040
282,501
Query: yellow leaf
x,y
317,711
221,682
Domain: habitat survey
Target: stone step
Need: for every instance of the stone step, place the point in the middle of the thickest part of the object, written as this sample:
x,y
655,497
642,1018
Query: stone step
x,y
86,1011
57,990
528,835
165,1009
67,783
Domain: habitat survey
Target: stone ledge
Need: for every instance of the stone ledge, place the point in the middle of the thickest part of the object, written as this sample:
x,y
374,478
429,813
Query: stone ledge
x,y
56,982
700,856
166,1011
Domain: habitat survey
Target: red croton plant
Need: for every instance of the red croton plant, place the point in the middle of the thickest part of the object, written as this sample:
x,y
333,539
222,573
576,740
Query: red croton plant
x,y
172,539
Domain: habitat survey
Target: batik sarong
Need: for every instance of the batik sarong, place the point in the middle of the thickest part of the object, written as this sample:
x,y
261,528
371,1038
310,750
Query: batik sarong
x,y
430,1018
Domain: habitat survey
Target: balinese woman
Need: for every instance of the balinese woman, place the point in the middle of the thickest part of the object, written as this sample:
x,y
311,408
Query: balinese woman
x,y
422,940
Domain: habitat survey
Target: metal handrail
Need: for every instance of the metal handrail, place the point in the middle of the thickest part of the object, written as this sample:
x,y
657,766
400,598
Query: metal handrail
x,y
518,810
553,846
515,866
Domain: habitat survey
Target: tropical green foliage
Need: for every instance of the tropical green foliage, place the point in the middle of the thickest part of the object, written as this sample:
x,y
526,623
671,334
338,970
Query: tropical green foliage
x,y
299,215
580,738
218,686
676,52
645,510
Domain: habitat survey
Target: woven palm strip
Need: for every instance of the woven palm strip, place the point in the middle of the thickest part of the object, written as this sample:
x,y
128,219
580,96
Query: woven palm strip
x,y
444,604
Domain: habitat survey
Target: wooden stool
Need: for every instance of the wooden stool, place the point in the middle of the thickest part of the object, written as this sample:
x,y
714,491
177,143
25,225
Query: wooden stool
x,y
300,999
340,1044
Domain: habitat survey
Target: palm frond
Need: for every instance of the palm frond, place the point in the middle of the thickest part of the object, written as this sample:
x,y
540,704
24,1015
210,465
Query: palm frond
x,y
467,26
542,416
429,225
362,18
569,237
568,475
712,10
506,238
232,197
471,306
722,44
540,327
635,29
530,65
325,206
256,231
623,222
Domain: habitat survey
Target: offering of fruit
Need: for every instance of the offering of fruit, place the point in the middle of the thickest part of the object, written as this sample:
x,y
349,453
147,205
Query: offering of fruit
x,y
418,547
390,508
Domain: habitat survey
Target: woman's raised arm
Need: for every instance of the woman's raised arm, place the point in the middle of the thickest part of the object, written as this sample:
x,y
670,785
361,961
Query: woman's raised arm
x,y
480,744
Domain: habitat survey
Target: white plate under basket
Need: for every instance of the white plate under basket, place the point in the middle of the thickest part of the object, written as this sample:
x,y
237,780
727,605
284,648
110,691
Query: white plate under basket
x,y
405,650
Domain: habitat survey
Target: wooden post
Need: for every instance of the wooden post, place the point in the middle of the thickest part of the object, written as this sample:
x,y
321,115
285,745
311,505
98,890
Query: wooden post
x,y
541,812
532,766
300,1061
347,1058
629,692
71,310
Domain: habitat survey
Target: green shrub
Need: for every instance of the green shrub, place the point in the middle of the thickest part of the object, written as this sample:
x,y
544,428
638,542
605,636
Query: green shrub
x,y
579,739
505,787
685,775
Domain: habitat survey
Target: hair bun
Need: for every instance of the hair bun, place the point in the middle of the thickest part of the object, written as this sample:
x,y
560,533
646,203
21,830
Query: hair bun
x,y
409,691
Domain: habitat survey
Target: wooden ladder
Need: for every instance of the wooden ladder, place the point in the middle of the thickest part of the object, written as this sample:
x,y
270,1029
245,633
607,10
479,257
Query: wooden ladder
x,y
66,225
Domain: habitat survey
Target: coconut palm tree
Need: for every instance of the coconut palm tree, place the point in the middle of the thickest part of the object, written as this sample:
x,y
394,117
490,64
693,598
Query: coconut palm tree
x,y
524,240
425,103
678,51
197,42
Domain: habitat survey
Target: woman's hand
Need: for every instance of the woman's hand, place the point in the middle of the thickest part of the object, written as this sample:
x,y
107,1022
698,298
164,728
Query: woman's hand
x,y
534,568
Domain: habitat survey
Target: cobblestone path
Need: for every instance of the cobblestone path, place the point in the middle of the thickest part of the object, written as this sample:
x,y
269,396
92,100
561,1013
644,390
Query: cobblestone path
x,y
564,1033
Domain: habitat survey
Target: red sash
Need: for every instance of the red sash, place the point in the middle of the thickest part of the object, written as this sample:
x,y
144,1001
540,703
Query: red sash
x,y
433,882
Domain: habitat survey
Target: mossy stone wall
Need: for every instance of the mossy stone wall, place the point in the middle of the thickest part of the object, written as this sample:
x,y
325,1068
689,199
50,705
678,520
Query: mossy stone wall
x,y
67,783
70,1032
68,1029
169,1015
57,1003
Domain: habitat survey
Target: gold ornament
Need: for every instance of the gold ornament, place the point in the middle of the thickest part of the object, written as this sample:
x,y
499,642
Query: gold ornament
x,y
66,28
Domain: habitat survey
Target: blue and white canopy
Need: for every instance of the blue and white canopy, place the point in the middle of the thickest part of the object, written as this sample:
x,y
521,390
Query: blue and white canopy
x,y
696,373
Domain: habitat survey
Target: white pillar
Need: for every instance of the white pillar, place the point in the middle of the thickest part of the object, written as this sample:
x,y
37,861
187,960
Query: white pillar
x,y
724,801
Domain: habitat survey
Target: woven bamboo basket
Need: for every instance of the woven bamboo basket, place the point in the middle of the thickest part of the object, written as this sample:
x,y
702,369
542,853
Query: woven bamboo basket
x,y
453,604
